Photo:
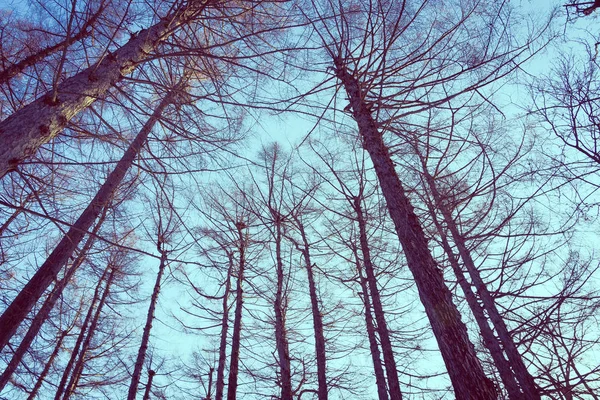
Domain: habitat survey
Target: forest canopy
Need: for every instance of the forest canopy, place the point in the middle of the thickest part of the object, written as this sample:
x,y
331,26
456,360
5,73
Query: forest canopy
x,y
299,199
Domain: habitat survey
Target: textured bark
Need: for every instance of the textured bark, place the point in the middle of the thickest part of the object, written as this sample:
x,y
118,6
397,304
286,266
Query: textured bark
x,y
384,334
30,127
20,66
210,383
237,322
489,339
151,374
141,356
80,338
373,346
42,377
525,379
465,371
44,311
280,329
17,311
316,315
224,330
78,369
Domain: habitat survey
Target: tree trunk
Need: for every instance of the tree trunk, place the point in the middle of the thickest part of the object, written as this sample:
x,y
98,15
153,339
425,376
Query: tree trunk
x,y
373,346
489,339
280,330
384,334
17,311
237,322
223,341
18,67
151,374
44,311
30,127
317,317
141,356
465,371
88,317
49,363
78,369
514,357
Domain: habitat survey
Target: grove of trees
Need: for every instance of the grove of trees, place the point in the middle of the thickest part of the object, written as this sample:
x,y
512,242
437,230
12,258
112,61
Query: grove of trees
x,y
299,199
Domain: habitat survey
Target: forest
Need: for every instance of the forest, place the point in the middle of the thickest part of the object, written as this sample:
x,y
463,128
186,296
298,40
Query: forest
x,y
299,199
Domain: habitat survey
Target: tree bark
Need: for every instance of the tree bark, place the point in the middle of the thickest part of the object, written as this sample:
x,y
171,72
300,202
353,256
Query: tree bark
x,y
46,369
514,357
141,356
42,315
237,322
80,338
316,314
489,339
17,311
151,374
22,133
78,369
384,334
280,330
465,371
373,346
18,67
224,331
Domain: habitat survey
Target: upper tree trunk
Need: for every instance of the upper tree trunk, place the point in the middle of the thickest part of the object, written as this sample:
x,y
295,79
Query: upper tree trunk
x,y
373,346
514,357
80,338
151,374
139,362
489,339
30,127
280,330
78,369
224,330
18,67
464,369
237,322
42,315
49,363
17,311
317,317
382,329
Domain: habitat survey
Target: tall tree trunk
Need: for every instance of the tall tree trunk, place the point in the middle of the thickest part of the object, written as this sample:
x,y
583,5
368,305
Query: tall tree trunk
x,y
80,338
17,311
489,339
223,337
78,369
280,329
237,322
85,31
373,346
141,356
382,328
44,311
514,357
30,127
465,371
49,363
316,314
151,374
210,383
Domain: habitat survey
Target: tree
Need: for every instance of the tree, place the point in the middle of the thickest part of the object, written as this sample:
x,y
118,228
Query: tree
x,y
33,290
